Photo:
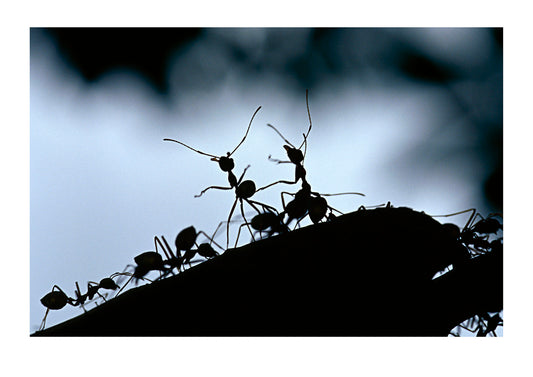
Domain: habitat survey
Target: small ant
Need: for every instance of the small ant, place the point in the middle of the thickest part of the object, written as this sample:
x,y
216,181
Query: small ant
x,y
149,261
474,235
294,154
485,324
265,220
186,239
225,163
55,300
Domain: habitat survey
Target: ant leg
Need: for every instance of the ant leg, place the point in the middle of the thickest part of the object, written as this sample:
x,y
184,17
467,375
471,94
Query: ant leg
x,y
244,217
43,323
242,175
211,239
213,187
275,183
239,233
229,219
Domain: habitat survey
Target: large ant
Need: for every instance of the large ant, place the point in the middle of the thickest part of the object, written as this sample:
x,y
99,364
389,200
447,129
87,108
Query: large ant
x,y
294,154
55,300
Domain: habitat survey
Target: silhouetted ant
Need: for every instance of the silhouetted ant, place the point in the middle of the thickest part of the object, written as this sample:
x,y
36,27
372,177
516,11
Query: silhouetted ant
x,y
474,235
270,219
225,163
485,324
55,300
244,190
294,154
307,202
148,261
186,239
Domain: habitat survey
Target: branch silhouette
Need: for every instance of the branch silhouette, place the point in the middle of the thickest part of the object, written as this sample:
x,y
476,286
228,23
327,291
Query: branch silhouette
x,y
366,273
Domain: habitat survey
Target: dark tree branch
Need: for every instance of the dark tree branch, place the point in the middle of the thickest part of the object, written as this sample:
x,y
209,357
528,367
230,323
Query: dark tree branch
x,y
367,273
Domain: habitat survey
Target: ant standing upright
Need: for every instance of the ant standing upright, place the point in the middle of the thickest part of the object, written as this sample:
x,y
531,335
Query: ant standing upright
x,y
244,190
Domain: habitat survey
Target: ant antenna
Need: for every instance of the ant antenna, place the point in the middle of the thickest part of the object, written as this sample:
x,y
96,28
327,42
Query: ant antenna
x,y
279,133
196,150
310,122
246,134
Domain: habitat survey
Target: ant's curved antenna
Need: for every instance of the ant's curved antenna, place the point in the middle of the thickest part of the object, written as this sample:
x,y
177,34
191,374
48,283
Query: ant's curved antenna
x,y
196,150
310,122
246,134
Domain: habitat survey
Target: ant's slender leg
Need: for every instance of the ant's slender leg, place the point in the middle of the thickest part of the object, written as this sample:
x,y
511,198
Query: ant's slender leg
x,y
210,238
213,187
275,183
244,217
43,323
239,234
242,175
229,219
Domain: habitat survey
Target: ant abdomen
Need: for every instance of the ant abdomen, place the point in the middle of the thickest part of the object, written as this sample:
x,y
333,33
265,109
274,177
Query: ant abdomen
x,y
186,238
108,283
317,208
55,300
205,250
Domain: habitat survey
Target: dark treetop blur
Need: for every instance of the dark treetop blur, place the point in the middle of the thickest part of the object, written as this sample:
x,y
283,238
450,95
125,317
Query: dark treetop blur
x,y
306,58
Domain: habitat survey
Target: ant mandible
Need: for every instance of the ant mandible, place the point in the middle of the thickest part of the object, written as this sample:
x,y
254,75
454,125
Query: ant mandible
x,y
294,154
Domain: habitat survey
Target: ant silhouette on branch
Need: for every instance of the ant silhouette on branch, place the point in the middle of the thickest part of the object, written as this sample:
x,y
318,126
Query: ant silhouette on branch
x,y
294,154
475,235
244,190
55,300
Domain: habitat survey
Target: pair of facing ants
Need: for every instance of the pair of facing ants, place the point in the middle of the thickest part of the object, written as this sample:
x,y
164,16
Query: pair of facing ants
x,y
305,202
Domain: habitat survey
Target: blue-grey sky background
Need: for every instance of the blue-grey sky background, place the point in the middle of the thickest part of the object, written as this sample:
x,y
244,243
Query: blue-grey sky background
x,y
103,183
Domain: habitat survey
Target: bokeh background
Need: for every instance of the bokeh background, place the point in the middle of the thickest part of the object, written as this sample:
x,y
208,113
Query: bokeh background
x,y
413,116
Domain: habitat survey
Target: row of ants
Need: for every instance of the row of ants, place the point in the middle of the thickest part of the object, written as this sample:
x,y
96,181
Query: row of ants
x,y
305,202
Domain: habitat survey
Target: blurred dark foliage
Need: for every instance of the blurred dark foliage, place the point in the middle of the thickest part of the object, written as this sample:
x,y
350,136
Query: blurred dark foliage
x,y
306,58
94,51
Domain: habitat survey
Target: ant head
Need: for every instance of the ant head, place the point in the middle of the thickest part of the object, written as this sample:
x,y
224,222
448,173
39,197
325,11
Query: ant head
x,y
295,155
186,238
225,162
245,190
55,300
